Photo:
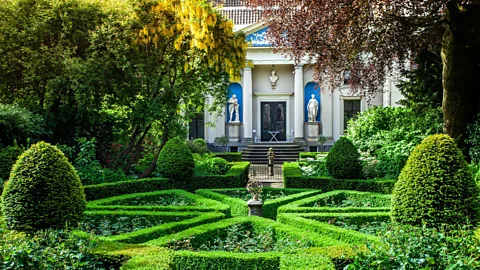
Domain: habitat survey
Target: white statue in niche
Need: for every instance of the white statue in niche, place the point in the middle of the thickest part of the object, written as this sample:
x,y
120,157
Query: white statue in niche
x,y
273,79
233,108
312,108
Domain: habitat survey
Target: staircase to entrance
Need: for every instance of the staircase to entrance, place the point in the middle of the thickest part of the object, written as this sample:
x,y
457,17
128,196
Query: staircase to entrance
x,y
257,153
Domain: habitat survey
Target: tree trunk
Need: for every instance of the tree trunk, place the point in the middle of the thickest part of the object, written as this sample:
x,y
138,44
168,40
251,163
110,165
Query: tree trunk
x,y
461,77
153,164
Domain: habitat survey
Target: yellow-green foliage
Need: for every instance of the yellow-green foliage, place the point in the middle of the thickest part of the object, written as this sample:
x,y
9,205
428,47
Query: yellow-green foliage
x,y
343,160
435,186
176,160
44,191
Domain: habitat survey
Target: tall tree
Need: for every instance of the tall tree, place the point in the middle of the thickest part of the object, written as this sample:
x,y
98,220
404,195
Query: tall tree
x,y
42,46
170,57
372,37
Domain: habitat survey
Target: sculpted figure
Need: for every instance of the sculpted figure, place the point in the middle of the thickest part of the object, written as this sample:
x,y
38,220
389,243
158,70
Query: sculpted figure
x,y
233,108
273,79
312,108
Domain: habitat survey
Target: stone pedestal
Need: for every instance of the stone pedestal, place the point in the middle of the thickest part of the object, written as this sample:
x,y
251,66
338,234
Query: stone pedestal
x,y
312,129
233,131
255,208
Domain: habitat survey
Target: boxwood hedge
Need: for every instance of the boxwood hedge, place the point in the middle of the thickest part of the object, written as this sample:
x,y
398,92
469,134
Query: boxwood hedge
x,y
201,204
293,178
239,207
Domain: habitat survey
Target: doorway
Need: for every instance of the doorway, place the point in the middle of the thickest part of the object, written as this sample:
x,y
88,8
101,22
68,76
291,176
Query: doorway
x,y
273,121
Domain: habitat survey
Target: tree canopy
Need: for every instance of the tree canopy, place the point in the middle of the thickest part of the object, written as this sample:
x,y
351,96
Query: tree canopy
x,y
373,38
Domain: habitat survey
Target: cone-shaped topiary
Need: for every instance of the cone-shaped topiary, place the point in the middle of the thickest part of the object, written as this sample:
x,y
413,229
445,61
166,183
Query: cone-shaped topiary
x,y
43,191
176,160
343,160
435,186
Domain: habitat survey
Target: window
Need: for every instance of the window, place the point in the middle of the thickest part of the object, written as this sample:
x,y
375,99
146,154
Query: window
x,y
350,110
346,77
197,127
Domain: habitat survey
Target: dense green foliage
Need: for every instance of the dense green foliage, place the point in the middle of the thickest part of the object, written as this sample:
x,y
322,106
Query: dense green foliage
x,y
435,186
44,250
474,140
389,135
207,165
422,248
421,86
8,157
343,160
176,161
44,191
198,146
18,125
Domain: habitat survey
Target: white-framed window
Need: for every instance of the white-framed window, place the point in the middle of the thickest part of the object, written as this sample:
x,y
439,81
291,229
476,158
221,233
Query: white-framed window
x,y
350,107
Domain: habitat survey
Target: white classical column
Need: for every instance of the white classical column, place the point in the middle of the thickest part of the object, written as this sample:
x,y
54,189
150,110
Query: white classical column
x,y
299,100
247,104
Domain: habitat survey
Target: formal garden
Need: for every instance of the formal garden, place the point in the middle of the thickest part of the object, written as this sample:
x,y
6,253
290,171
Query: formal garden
x,y
96,171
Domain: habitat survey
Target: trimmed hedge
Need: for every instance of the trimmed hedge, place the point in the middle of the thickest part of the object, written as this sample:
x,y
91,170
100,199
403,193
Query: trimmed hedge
x,y
358,218
189,219
306,205
306,261
44,191
229,156
311,154
293,178
239,207
237,176
145,257
201,204
318,223
207,232
204,260
105,190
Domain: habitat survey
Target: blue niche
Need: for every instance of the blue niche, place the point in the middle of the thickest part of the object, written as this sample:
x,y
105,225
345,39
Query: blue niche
x,y
312,88
236,89
258,39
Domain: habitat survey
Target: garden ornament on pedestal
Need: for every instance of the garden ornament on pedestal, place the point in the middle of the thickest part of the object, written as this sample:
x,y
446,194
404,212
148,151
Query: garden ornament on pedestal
x,y
271,158
254,187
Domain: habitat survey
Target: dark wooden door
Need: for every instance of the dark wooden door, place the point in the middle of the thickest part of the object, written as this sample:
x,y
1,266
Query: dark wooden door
x,y
274,117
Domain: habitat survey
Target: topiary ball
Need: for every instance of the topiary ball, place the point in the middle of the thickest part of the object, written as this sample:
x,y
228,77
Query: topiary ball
x,y
176,160
435,186
43,191
343,160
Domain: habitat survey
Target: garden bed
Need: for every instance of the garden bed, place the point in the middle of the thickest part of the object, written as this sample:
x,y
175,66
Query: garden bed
x,y
273,198
340,201
293,178
142,226
159,201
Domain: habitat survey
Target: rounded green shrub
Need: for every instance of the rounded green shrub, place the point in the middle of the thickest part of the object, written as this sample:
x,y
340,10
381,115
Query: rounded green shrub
x,y
435,186
8,156
43,191
176,160
343,160
198,146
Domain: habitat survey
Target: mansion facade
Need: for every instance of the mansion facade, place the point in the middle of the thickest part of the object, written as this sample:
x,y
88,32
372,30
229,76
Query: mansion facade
x,y
275,99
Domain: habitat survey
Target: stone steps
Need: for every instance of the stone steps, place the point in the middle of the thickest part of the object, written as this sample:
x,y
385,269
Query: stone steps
x,y
284,152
